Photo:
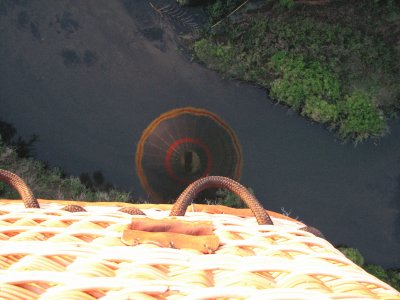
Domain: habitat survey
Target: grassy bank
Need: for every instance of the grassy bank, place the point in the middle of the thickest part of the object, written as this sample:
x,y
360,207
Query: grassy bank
x,y
336,64
49,183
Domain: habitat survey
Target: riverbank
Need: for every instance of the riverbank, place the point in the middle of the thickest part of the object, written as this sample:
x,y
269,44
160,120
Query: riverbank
x,y
53,184
337,63
16,155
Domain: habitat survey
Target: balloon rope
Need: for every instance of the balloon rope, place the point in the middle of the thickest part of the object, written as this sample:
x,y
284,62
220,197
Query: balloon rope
x,y
194,188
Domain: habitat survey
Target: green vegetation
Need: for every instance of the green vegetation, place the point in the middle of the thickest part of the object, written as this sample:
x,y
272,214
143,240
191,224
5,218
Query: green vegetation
x,y
390,276
353,254
49,183
227,198
287,3
336,64
361,119
220,9
312,88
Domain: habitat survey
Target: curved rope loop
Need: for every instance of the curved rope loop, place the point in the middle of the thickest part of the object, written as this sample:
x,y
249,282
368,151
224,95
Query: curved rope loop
x,y
25,192
20,186
187,196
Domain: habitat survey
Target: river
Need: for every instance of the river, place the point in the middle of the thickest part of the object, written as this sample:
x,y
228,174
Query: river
x,y
89,76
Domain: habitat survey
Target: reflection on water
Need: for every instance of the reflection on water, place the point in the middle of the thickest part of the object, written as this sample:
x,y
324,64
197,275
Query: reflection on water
x,y
90,116
183,145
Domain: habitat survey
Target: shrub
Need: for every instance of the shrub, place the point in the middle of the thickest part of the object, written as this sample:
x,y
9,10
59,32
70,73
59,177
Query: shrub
x,y
300,82
360,117
49,183
221,8
320,110
353,254
287,3
377,271
226,197
390,276
394,278
24,148
216,56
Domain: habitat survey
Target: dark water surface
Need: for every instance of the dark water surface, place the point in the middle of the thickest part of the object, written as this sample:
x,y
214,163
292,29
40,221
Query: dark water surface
x,y
89,76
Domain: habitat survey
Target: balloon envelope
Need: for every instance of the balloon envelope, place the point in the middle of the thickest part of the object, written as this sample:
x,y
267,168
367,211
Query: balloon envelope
x,y
183,145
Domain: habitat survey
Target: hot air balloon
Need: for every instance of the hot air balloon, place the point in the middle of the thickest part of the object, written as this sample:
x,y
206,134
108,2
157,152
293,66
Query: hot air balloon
x,y
183,145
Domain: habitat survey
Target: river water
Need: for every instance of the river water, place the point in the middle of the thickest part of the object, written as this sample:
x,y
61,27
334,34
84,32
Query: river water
x,y
89,76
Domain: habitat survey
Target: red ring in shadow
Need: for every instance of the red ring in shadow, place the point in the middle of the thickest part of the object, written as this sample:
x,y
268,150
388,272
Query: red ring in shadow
x,y
171,150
